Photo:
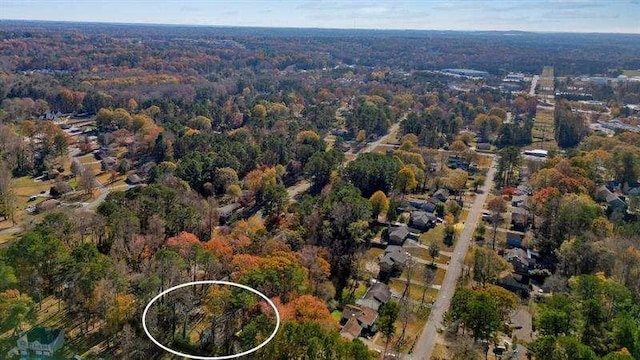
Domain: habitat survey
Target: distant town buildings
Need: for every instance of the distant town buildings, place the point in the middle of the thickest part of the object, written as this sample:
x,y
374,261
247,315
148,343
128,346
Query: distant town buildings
x,y
467,73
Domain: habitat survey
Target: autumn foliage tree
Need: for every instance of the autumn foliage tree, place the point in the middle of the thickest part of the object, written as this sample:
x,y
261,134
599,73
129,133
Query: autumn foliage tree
x,y
308,308
379,203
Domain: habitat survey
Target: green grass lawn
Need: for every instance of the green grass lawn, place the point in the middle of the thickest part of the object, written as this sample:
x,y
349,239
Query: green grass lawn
x,y
336,315
361,290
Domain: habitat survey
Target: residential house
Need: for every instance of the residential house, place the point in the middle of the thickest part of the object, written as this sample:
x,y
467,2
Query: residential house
x,y
442,195
456,163
108,163
514,239
397,235
378,294
225,212
518,200
425,205
520,260
351,329
515,283
422,220
41,342
392,261
612,200
358,319
483,146
102,153
134,179
52,174
523,190
50,115
520,218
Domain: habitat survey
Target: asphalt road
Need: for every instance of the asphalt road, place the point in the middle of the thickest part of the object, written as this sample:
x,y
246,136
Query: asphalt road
x,y
426,341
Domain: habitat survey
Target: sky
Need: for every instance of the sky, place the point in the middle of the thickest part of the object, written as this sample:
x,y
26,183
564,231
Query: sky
x,y
614,16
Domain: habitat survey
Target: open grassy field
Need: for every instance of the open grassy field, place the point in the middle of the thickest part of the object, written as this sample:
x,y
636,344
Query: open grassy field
x,y
24,187
543,126
631,73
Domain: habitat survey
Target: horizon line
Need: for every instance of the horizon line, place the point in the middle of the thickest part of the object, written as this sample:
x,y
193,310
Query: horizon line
x,y
306,28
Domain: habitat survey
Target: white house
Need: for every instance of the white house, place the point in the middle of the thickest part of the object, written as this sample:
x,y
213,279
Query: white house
x,y
40,341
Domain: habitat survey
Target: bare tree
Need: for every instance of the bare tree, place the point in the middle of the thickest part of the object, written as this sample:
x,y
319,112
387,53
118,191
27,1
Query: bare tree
x,y
497,206
76,167
87,181
428,275
7,197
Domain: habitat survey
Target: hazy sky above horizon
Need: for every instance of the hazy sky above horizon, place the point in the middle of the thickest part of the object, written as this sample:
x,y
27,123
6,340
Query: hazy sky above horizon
x,y
620,16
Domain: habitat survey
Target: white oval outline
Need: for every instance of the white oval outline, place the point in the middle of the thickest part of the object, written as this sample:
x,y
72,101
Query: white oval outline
x,y
211,282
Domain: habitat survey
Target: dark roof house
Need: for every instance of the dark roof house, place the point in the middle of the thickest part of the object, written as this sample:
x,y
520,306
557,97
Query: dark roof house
x,y
425,205
520,260
134,179
366,316
392,261
357,319
514,283
441,194
397,235
379,292
60,188
108,163
514,239
519,218
613,201
422,220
